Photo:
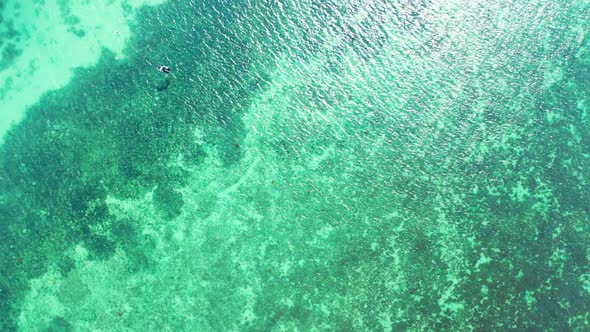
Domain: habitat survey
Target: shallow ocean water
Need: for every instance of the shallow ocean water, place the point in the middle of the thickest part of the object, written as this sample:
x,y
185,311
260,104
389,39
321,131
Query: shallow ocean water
x,y
332,166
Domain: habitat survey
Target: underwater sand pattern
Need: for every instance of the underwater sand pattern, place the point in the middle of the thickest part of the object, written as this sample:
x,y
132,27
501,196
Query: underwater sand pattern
x,y
341,166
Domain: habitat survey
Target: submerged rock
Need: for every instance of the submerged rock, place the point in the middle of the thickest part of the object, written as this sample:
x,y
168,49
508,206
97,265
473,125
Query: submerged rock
x,y
168,201
163,84
59,324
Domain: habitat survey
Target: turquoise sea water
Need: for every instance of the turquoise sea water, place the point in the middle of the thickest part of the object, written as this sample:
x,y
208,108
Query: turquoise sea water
x,y
333,165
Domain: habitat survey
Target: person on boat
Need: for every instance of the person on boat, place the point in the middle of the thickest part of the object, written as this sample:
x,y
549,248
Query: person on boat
x,y
164,69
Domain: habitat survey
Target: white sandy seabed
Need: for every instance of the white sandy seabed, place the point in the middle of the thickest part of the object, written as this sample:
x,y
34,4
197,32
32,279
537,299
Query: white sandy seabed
x,y
51,38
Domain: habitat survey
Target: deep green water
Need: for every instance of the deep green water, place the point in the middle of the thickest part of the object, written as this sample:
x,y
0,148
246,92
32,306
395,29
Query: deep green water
x,y
310,165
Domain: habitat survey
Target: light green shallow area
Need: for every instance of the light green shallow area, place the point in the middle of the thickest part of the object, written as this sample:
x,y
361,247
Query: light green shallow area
x,y
342,166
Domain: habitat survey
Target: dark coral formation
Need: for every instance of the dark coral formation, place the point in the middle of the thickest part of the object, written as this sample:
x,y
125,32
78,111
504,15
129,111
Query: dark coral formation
x,y
106,132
